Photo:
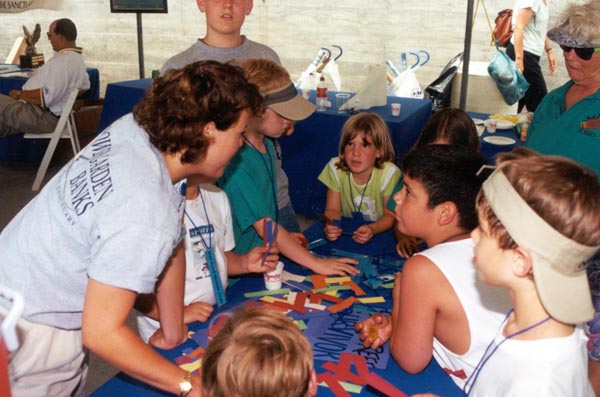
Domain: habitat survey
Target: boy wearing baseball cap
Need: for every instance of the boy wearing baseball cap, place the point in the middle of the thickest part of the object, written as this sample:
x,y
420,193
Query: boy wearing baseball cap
x,y
538,218
250,178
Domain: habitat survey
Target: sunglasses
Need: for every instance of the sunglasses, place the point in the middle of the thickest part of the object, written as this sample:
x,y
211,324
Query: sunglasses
x,y
583,53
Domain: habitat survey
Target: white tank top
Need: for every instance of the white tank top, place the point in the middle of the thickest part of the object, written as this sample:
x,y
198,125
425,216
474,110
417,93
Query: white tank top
x,y
485,306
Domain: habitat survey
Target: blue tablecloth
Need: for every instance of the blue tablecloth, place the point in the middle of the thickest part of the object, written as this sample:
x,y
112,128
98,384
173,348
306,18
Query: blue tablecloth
x,y
316,140
432,379
489,149
15,147
120,98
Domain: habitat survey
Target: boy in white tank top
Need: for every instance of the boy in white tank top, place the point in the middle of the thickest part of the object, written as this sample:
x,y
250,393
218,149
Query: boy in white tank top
x,y
440,309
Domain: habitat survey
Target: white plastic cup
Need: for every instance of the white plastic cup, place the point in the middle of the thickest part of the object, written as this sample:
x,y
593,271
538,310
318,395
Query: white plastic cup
x,y
491,126
274,278
395,109
340,99
306,94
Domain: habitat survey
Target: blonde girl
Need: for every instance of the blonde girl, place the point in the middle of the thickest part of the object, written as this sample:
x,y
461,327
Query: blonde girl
x,y
361,178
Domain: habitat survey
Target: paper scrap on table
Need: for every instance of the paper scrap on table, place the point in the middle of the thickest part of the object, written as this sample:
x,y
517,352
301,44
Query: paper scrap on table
x,y
372,299
266,292
193,366
331,288
271,299
350,387
318,281
337,280
294,277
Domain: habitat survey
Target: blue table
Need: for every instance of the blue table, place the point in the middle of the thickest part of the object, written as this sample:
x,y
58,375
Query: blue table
x,y
432,379
120,98
316,140
490,150
17,148
313,143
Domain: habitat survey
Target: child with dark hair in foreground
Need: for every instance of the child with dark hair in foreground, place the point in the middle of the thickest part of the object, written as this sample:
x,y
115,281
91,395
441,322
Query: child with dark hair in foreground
x,y
439,307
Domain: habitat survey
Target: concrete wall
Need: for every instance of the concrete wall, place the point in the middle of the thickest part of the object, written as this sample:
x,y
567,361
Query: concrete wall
x,y
369,31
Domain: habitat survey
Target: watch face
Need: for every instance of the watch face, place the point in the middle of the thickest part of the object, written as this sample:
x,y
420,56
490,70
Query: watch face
x,y
185,387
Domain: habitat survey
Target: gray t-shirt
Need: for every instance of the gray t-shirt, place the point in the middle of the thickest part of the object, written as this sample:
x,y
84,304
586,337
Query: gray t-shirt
x,y
200,51
111,214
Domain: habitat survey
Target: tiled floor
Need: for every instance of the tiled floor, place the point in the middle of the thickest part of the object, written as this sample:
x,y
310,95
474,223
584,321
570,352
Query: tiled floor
x,y
16,179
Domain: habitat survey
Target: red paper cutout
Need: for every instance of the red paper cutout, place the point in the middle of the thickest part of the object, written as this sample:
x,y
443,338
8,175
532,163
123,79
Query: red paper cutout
x,y
300,301
183,360
317,298
342,370
346,303
318,281
354,287
199,352
216,327
460,374
333,384
287,306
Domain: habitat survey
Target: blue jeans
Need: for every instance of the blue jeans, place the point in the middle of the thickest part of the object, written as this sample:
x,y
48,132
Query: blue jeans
x,y
287,218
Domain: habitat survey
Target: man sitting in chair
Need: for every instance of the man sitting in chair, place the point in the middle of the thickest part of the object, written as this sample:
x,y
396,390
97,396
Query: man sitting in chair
x,y
36,109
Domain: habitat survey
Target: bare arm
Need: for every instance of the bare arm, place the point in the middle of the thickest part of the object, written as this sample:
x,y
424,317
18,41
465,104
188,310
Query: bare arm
x,y
550,55
105,332
414,315
169,299
525,14
289,247
195,311
30,96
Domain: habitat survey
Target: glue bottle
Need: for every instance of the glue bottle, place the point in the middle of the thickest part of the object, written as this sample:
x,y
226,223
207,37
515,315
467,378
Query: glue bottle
x,y
321,95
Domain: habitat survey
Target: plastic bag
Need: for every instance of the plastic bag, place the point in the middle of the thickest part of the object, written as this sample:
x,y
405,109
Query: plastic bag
x,y
440,90
508,78
406,85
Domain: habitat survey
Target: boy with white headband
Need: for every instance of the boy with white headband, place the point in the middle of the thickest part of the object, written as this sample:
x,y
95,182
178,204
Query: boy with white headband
x,y
538,218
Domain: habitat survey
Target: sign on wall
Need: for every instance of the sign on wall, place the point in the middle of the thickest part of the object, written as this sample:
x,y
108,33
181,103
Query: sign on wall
x,y
16,6
138,6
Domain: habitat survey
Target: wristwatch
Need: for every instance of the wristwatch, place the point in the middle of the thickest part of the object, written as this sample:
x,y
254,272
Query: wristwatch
x,y
185,386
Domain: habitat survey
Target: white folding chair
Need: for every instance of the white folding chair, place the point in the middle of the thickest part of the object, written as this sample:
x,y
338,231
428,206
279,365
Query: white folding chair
x,y
65,129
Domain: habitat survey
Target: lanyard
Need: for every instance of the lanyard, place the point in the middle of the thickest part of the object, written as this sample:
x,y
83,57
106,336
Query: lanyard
x,y
209,254
484,359
270,173
357,210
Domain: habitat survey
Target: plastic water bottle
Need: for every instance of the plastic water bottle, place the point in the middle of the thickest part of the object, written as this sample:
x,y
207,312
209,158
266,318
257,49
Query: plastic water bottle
x,y
321,95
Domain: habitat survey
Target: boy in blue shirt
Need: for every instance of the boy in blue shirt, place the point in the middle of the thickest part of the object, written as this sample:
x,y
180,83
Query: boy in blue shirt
x,y
250,179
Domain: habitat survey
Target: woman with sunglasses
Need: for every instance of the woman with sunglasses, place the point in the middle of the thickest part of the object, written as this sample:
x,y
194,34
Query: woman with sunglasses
x,y
567,123
527,45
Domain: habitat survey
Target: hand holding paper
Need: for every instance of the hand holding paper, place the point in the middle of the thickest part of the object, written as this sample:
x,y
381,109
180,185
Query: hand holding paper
x,y
333,228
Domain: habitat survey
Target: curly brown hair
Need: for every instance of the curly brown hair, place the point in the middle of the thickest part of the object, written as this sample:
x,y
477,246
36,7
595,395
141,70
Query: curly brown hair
x,y
179,104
